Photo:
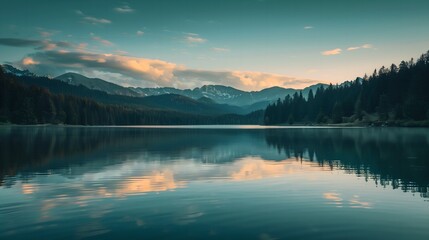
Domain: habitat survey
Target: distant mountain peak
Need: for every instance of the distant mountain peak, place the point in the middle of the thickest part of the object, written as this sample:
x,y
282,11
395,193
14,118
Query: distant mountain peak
x,y
96,84
216,93
73,75
17,72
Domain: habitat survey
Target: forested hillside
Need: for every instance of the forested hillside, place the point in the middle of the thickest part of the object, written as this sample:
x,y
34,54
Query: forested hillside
x,y
397,95
166,102
22,104
393,95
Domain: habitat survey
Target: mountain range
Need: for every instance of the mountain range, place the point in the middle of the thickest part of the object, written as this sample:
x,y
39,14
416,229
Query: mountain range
x,y
394,96
208,99
218,93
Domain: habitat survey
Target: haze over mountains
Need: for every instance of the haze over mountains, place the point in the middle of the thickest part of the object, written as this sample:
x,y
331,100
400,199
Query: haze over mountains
x,y
208,99
218,93
390,96
96,84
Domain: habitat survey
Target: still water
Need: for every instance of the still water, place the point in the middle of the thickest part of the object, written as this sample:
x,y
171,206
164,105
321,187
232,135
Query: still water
x,y
213,183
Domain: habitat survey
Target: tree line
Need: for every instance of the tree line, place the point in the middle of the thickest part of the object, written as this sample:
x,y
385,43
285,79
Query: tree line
x,y
379,157
398,94
24,104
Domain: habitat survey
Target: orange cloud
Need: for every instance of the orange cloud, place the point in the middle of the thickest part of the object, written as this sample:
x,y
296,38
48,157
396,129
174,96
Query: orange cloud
x,y
258,80
29,61
153,72
335,51
50,46
156,69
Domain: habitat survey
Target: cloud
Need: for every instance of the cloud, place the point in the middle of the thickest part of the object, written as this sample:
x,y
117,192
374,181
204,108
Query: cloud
x,y
102,41
57,62
120,52
308,27
193,38
91,19
81,47
365,46
19,42
143,72
37,44
246,80
29,61
49,46
190,78
139,33
124,9
46,34
258,80
335,51
312,70
220,49
352,48
94,20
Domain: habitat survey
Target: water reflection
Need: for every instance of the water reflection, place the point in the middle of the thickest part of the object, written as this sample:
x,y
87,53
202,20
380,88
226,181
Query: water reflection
x,y
396,157
225,183
353,202
158,181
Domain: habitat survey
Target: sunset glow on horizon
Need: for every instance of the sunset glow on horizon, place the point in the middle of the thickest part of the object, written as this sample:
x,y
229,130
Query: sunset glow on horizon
x,y
249,45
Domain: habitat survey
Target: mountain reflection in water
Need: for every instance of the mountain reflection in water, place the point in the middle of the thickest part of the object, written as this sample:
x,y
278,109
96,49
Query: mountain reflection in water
x,y
386,156
201,183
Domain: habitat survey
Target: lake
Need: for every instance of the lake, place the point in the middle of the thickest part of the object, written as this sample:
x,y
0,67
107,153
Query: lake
x,y
212,182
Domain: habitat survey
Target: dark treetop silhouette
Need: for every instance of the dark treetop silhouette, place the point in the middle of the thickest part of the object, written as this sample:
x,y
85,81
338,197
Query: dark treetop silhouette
x,y
395,95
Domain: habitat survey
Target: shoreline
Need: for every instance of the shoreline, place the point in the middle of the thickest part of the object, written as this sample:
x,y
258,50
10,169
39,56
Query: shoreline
x,y
404,124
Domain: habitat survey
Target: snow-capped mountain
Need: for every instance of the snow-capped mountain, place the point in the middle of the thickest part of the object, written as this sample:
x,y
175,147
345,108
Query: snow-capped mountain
x,y
229,95
96,84
250,101
17,72
253,100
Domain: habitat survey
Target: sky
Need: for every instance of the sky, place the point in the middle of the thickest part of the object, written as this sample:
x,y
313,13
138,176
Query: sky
x,y
246,44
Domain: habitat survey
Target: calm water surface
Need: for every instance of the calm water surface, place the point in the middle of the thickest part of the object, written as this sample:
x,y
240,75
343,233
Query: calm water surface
x,y
214,183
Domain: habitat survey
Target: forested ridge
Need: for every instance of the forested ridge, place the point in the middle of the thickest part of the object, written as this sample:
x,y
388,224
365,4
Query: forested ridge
x,y
394,95
166,102
24,104
397,95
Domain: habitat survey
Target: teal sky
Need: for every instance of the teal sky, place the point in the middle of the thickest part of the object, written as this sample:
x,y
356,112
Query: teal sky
x,y
249,44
